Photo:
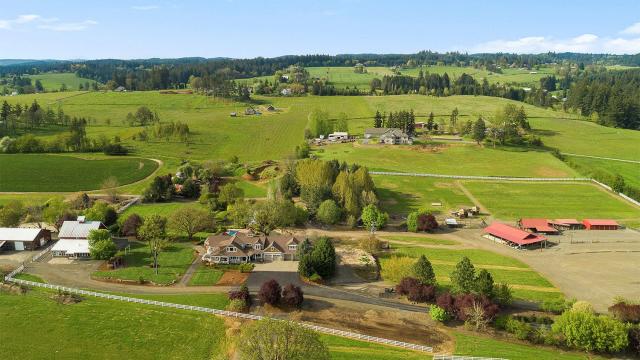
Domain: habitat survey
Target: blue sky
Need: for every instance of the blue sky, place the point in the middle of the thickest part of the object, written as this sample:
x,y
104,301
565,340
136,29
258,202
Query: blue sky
x,y
73,29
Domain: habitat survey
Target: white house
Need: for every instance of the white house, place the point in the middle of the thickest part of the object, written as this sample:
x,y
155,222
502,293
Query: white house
x,y
73,236
391,136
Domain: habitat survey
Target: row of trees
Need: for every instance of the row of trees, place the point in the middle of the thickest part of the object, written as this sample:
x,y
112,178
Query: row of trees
x,y
403,120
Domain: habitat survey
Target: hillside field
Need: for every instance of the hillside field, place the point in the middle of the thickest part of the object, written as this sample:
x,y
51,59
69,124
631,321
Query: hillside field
x,y
58,173
53,81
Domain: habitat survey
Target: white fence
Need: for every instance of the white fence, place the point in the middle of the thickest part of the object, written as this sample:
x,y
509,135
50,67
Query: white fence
x,y
462,357
41,253
320,329
471,177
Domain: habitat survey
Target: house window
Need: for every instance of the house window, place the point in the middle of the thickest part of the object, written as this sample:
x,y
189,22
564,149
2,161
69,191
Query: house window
x,y
257,246
293,247
231,249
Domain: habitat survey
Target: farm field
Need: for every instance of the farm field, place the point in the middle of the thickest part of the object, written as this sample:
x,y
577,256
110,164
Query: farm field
x,y
347,349
420,240
57,173
525,282
511,201
131,329
629,171
174,261
163,209
450,160
53,81
400,195
25,199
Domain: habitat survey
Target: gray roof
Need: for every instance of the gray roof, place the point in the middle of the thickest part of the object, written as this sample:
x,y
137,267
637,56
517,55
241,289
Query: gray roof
x,y
376,131
19,234
78,230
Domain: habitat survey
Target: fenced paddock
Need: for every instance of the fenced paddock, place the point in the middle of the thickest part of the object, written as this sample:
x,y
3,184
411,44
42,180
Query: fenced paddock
x,y
462,357
232,314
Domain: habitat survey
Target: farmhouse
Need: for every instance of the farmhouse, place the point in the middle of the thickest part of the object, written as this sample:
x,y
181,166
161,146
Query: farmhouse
x,y
512,236
390,136
20,239
73,235
567,224
236,247
540,226
600,224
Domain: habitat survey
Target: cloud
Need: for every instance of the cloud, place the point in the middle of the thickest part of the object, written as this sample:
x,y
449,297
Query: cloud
x,y
632,30
145,7
585,43
68,26
54,24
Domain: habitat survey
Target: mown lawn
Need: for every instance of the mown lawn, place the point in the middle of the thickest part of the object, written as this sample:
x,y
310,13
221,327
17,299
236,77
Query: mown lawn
x,y
205,275
347,349
452,160
419,239
173,262
46,173
511,201
210,300
104,329
503,269
478,345
29,277
163,209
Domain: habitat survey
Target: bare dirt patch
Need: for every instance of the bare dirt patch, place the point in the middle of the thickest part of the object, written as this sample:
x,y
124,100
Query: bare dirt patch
x,y
232,278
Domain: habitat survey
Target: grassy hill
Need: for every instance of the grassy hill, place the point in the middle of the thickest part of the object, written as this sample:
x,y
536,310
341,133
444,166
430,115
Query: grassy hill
x,y
53,81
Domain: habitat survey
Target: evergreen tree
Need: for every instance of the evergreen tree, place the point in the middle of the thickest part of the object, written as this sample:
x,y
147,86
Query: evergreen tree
x,y
479,130
423,271
463,277
484,283
430,122
377,120
324,257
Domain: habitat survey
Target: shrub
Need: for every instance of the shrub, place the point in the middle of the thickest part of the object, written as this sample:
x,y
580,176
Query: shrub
x,y
305,266
415,291
246,267
500,322
323,257
270,292
397,267
329,213
370,244
464,304
446,301
582,306
520,329
438,314
626,312
484,283
423,271
292,295
412,222
556,306
634,340
315,278
131,225
372,217
587,331
502,294
427,222
242,294
236,305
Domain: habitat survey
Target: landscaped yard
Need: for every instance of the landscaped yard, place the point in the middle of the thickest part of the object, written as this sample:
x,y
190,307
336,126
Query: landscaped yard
x,y
104,329
205,275
512,201
173,262
525,282
47,173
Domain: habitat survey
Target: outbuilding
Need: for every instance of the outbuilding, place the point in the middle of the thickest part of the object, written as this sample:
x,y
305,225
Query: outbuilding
x,y
513,236
600,224
19,239
540,226
567,224
73,236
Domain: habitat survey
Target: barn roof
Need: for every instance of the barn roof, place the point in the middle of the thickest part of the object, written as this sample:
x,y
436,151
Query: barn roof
x,y
567,221
19,234
600,222
539,225
78,229
512,234
72,246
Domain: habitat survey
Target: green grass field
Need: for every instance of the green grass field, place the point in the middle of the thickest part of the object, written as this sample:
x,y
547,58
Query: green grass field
x,y
53,81
104,329
210,300
162,209
173,261
478,345
29,277
526,283
347,349
420,240
49,173
453,160
511,201
25,199
629,171
205,276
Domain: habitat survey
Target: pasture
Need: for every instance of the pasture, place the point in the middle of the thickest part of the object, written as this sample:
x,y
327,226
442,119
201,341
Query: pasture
x,y
511,201
629,171
133,330
53,81
458,159
61,173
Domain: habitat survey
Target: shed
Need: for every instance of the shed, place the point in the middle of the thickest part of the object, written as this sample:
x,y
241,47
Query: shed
x,y
513,236
567,224
537,226
20,239
600,224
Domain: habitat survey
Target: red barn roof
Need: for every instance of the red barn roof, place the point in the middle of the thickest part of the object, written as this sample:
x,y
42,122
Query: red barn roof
x,y
600,222
512,234
539,225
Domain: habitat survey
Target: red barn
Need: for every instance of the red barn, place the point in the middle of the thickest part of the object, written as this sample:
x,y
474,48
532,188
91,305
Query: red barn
x,y
513,236
537,225
600,224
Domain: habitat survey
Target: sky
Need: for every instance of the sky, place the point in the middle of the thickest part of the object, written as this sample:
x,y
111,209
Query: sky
x,y
91,29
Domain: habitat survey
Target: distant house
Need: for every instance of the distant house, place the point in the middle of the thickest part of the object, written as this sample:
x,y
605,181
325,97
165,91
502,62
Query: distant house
x,y
234,247
390,136
541,226
73,236
513,236
19,239
285,92
233,114
338,136
600,224
120,89
14,93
